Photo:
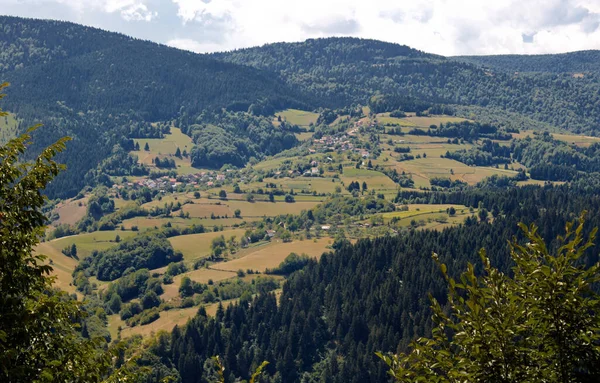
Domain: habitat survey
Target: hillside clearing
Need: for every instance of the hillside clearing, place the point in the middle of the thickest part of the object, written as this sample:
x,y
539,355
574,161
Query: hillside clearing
x,y
271,255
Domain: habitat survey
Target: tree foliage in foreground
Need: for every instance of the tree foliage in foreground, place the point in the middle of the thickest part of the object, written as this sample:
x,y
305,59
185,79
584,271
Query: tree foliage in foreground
x,y
540,324
38,337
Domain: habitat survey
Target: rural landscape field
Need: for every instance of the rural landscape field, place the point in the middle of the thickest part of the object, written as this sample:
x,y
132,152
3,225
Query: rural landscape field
x,y
193,209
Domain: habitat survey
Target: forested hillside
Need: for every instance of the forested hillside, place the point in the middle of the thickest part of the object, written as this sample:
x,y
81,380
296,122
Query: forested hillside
x,y
92,85
346,70
582,62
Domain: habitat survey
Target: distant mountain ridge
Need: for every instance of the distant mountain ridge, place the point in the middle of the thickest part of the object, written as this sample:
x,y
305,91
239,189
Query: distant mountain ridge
x,y
572,62
350,70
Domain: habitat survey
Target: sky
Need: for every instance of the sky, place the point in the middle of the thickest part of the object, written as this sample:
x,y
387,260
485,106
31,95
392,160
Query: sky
x,y
446,27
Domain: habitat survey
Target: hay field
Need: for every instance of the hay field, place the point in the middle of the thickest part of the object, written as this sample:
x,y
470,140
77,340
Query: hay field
x,y
272,255
299,117
424,169
87,242
194,246
70,211
375,180
62,266
165,148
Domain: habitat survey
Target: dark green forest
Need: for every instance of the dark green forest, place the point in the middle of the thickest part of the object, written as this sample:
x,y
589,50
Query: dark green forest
x,y
574,62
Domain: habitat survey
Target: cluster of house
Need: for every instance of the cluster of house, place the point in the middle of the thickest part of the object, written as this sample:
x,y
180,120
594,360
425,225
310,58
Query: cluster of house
x,y
166,183
341,142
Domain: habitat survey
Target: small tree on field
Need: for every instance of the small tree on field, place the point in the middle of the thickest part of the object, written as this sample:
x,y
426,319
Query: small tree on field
x,y
542,324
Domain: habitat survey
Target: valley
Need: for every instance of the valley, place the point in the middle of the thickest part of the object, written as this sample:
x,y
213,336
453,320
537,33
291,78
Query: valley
x,y
354,160
310,204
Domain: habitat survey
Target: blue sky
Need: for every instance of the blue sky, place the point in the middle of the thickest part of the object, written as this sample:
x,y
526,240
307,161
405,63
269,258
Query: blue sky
x,y
448,27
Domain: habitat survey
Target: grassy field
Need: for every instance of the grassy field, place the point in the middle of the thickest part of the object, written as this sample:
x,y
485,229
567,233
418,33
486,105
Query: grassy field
x,y
205,207
62,265
167,321
428,216
271,255
299,117
71,211
310,184
415,210
272,163
303,136
269,209
194,246
172,197
166,147
150,223
375,180
413,121
385,119
409,139
202,275
423,169
202,209
87,242
433,150
576,140
426,122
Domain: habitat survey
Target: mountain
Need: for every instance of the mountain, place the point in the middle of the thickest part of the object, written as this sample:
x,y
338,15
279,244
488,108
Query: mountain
x,y
91,84
349,70
91,69
572,62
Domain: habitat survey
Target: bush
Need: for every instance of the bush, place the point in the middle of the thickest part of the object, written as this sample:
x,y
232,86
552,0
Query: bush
x,y
130,310
187,302
150,300
291,263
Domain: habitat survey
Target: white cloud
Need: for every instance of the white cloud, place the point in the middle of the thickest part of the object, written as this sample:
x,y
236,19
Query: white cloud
x,y
193,45
446,27
128,9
